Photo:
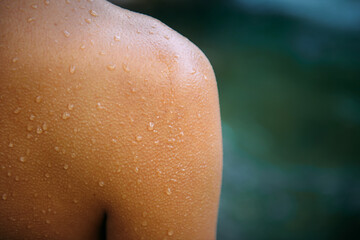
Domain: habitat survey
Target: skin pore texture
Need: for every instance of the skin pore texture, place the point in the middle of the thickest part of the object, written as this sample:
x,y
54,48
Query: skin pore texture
x,y
110,126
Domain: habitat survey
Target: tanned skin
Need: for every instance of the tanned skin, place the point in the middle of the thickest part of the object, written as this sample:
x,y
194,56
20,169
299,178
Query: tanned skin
x,y
109,126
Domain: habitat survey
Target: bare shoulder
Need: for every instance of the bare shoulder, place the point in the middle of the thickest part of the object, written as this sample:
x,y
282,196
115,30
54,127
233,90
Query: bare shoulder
x,y
110,111
169,168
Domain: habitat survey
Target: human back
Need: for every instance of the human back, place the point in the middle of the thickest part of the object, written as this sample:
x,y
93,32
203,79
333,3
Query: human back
x,y
110,123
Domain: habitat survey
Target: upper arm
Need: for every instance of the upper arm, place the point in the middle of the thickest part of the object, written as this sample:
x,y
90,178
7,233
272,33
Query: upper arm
x,y
168,182
164,181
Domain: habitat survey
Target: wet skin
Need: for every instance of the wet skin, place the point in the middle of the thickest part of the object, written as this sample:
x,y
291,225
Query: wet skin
x,y
110,126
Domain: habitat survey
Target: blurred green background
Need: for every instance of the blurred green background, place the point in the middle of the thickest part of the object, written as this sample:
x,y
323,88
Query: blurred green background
x,y
288,73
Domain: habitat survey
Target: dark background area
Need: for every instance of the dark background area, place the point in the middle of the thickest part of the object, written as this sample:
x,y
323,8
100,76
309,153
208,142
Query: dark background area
x,y
288,73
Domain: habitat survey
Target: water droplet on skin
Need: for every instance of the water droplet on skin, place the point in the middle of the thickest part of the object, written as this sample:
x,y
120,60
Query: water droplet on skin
x,y
17,110
45,126
82,47
38,99
47,2
136,169
151,126
166,37
72,69
65,115
68,1
111,67
99,106
47,175
57,149
193,71
144,223
17,178
75,201
34,6
9,174
70,106
32,117
4,196
157,142
29,20
15,59
39,130
93,13
88,20
117,38
138,138
66,34
101,183
125,67
66,166
11,145
168,191
47,221
22,159
170,232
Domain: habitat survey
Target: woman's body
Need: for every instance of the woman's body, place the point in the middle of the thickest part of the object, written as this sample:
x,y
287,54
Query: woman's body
x,y
110,120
